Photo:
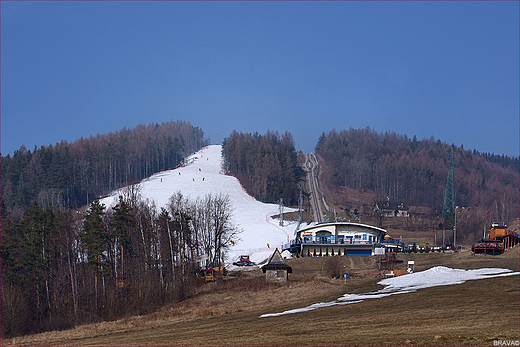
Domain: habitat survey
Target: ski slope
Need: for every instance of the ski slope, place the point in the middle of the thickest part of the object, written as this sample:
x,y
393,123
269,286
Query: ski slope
x,y
202,174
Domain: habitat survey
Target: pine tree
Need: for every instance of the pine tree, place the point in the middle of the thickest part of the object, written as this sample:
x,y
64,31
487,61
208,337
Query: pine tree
x,y
123,222
93,240
94,236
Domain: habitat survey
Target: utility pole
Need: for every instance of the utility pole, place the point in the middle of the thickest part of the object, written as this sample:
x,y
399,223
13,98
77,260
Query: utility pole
x,y
300,206
455,230
281,212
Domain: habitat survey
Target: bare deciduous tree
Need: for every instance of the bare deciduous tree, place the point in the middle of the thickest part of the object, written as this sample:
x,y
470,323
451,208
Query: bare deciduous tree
x,y
215,227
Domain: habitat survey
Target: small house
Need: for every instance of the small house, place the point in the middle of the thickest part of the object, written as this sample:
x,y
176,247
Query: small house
x,y
276,269
389,208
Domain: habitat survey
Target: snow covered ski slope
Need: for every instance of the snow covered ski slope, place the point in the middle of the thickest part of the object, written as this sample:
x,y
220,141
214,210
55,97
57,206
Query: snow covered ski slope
x,y
202,175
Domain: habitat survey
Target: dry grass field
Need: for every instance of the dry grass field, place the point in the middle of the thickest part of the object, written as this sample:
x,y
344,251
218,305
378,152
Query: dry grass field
x,y
475,313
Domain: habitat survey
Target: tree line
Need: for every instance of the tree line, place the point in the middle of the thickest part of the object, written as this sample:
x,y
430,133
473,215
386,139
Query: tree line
x,y
415,171
60,269
266,165
74,174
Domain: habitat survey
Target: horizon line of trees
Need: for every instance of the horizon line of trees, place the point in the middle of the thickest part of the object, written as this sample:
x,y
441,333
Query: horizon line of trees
x,y
60,269
266,165
74,174
415,172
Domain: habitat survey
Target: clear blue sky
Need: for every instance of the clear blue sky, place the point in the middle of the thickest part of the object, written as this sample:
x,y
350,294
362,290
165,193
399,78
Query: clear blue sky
x,y
443,69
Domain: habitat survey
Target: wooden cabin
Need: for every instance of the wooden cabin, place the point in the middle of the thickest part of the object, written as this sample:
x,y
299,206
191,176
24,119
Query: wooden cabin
x,y
276,269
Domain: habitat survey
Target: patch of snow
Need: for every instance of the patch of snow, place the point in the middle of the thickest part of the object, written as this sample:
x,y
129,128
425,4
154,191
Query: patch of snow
x,y
309,308
286,254
202,174
436,276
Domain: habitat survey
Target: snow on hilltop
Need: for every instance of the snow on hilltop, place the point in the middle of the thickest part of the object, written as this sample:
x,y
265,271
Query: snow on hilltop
x,y
202,175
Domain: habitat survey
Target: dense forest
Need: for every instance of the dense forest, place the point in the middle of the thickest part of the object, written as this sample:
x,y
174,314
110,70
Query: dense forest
x,y
60,269
266,165
73,174
415,171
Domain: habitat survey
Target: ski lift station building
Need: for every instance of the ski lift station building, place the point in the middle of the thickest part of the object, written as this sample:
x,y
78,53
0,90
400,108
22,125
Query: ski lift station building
x,y
341,238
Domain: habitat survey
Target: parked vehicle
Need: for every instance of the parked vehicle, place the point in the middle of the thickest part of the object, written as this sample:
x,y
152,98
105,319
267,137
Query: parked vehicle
x,y
244,261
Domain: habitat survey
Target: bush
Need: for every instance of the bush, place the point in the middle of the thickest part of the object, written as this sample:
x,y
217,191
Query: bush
x,y
333,267
14,312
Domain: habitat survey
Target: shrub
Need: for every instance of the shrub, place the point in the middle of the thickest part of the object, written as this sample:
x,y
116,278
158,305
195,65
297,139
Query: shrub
x,y
333,267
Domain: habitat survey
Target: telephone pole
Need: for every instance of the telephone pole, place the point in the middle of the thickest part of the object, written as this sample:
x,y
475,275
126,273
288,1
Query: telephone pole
x,y
281,212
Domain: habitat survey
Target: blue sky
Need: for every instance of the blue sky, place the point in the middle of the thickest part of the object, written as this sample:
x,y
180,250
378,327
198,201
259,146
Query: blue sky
x,y
444,69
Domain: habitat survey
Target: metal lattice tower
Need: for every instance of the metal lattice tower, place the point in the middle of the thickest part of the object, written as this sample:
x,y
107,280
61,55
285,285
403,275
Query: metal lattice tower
x,y
449,194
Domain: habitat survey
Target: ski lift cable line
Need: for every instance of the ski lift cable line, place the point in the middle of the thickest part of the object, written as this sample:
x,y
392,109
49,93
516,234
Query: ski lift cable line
x,y
333,210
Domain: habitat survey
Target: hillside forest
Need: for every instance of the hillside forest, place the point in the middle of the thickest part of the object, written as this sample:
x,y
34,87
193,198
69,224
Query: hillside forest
x,y
64,265
398,168
61,269
74,174
266,165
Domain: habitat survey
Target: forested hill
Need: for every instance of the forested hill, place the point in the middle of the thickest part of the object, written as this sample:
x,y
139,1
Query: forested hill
x,y
266,165
72,174
415,171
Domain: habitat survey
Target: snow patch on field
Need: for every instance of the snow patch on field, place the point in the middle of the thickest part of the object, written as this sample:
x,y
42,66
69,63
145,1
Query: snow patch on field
x,y
436,276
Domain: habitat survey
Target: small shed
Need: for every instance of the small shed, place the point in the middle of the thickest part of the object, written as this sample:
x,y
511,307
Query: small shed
x,y
276,269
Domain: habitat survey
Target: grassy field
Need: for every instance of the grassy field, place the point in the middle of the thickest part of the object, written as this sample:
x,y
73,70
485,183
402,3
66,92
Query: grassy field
x,y
475,313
